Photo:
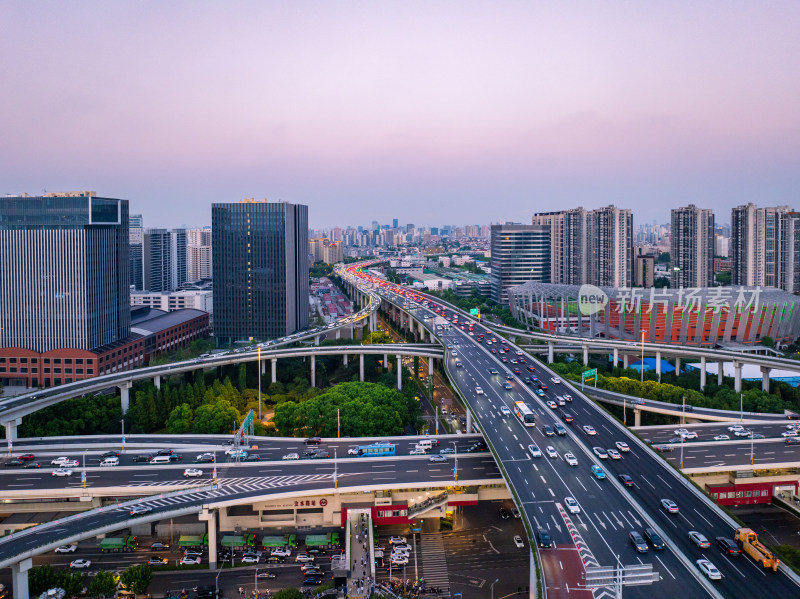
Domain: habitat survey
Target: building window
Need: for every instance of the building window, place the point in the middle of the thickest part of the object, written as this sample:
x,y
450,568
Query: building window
x,y
79,360
68,371
12,370
730,494
90,371
749,494
12,360
764,492
47,360
57,361
57,371
47,371
79,371
25,370
23,360
738,494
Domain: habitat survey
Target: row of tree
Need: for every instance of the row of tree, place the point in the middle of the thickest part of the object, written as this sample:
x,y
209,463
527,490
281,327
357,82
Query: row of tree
x,y
43,578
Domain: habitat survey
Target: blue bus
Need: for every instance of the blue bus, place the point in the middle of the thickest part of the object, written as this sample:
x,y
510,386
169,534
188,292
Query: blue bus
x,y
376,449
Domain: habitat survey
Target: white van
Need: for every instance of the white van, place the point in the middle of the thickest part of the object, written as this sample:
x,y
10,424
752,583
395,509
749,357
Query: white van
x,y
160,459
424,444
112,461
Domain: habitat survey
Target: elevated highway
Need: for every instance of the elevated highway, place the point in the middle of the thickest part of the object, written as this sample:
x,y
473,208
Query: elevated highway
x,y
487,381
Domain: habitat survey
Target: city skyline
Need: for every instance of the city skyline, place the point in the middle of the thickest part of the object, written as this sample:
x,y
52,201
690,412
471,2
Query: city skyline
x,y
441,110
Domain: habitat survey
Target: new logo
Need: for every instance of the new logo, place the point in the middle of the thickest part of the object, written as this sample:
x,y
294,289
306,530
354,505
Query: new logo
x,y
591,300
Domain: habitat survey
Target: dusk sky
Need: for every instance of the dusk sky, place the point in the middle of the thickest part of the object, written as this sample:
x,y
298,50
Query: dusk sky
x,y
432,112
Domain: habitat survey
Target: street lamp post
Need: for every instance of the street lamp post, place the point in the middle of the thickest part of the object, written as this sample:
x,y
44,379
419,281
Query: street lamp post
x,y
335,469
751,447
255,581
123,434
455,468
641,364
492,586
259,382
682,437
741,408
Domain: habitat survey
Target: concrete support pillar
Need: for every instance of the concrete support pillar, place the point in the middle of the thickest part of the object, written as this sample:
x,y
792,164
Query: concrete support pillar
x,y
585,355
124,392
550,348
430,366
616,357
625,360
469,422
211,518
361,367
274,369
313,371
658,365
637,417
737,381
344,361
263,367
157,381
765,370
399,372
19,578
386,362
720,372
373,318
316,339
702,374
338,333
421,332
677,366
11,428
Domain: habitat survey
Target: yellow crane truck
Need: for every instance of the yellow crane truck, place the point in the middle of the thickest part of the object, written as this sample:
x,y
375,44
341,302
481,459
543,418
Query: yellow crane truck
x,y
748,541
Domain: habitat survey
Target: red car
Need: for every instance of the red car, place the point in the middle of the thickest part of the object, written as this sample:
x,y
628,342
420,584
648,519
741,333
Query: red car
x,y
27,456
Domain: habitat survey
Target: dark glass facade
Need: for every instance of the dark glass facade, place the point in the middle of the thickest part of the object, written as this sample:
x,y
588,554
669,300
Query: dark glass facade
x,y
64,272
260,266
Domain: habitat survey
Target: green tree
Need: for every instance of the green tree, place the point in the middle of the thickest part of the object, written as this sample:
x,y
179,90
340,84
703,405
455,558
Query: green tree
x,y
767,341
41,578
242,376
724,277
72,582
137,578
215,418
102,584
290,593
180,420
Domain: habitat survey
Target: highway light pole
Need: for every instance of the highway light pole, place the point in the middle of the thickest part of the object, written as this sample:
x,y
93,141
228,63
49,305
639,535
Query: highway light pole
x,y
682,437
335,469
492,586
455,455
751,447
741,408
641,364
259,382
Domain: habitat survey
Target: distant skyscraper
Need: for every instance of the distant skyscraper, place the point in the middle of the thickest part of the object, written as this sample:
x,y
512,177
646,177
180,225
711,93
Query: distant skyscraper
x,y
520,253
644,271
198,254
157,260
136,232
569,247
260,263
765,247
692,247
64,280
178,260
395,223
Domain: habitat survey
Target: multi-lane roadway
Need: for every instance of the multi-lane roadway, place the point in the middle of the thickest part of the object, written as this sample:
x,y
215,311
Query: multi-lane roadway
x,y
608,511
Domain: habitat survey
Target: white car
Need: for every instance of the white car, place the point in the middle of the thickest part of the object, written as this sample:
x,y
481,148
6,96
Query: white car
x,y
572,505
561,401
600,452
417,451
249,559
570,459
552,404
792,433
304,558
62,472
567,396
535,451
59,461
681,431
735,427
689,435
397,541
505,411
291,456
67,548
518,541
699,539
622,446
742,432
551,451
399,561
589,430
556,380
478,391
281,552
190,561
722,438
670,506
709,569
80,564
614,454
193,472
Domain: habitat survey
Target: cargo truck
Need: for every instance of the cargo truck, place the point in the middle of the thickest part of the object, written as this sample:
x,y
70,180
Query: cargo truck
x,y
115,544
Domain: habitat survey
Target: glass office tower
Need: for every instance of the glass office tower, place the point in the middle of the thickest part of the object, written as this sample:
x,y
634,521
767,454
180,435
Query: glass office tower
x,y
260,266
64,278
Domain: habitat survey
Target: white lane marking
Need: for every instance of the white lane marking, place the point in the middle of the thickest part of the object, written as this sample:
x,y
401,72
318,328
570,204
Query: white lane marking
x,y
663,481
665,568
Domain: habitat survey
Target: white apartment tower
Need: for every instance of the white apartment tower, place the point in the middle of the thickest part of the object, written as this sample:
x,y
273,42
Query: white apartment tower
x,y
692,247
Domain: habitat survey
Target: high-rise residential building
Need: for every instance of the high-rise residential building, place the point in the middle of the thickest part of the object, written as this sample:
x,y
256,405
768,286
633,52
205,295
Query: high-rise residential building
x,y
260,265
64,278
135,245
198,254
765,247
610,235
644,271
178,258
692,247
157,260
568,245
520,253
721,245
593,247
